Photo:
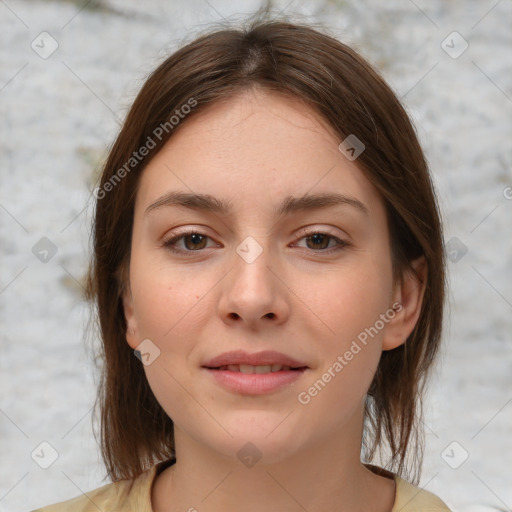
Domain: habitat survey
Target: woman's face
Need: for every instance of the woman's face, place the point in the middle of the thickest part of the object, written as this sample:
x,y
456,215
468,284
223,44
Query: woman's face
x,y
309,279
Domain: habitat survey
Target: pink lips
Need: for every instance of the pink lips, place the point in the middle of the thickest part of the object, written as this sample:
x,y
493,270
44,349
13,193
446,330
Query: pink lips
x,y
255,383
259,358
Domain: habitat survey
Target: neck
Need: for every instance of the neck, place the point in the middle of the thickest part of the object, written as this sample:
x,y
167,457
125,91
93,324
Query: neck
x,y
325,476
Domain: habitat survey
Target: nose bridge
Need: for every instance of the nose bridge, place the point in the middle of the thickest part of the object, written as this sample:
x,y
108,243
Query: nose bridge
x,y
251,267
252,290
250,250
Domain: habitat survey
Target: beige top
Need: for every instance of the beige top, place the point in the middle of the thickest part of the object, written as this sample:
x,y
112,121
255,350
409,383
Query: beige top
x,y
135,495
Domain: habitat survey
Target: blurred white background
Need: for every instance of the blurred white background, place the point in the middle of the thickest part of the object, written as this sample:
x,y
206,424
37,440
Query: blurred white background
x,y
60,111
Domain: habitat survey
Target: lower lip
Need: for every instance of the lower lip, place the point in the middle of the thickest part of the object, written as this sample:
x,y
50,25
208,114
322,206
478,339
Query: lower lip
x,y
255,383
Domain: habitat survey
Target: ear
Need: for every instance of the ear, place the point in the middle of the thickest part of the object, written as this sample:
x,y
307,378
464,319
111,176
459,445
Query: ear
x,y
408,299
132,331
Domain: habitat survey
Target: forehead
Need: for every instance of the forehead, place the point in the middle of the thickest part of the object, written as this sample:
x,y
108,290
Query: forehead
x,y
245,110
254,145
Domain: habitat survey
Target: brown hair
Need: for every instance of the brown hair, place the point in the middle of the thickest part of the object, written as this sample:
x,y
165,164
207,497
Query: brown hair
x,y
302,61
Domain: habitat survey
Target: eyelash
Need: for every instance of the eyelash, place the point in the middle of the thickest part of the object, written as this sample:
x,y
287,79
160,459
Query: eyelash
x,y
170,244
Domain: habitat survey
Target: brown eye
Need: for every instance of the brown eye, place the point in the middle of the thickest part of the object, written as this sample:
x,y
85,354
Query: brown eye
x,y
323,243
194,241
191,242
319,241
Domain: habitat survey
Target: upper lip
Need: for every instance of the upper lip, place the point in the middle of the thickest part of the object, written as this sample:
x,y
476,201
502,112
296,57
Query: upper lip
x,y
267,357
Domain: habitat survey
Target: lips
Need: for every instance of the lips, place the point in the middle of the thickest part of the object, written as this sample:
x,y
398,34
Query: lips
x,y
254,374
260,362
248,368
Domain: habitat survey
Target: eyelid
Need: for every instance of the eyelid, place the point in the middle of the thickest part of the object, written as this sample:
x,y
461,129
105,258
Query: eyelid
x,y
305,232
174,236
312,230
309,230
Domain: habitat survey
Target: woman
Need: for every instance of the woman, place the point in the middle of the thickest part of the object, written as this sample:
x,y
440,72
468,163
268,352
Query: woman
x,y
269,277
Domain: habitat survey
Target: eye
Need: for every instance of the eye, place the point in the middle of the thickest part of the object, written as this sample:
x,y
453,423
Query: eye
x,y
318,241
192,240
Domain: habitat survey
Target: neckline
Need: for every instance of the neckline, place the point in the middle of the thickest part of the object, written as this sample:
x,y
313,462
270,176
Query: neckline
x,y
163,465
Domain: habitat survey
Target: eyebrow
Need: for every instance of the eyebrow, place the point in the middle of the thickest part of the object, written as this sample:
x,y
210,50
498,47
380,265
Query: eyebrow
x,y
208,203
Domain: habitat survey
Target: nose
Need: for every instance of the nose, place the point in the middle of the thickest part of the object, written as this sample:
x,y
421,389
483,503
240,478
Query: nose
x,y
254,293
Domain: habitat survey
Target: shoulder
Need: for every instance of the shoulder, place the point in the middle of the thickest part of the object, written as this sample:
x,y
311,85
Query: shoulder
x,y
410,498
121,496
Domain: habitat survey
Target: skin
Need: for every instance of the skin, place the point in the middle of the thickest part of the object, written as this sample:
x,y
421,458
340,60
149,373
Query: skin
x,y
255,150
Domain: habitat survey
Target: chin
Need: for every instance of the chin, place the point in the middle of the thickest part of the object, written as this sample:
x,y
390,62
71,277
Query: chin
x,y
265,439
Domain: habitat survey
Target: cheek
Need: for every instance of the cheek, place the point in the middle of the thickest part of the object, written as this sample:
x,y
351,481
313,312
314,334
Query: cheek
x,y
168,311
165,300
348,300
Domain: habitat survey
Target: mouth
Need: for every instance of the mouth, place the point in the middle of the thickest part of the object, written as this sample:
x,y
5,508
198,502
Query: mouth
x,y
267,361
254,374
248,369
